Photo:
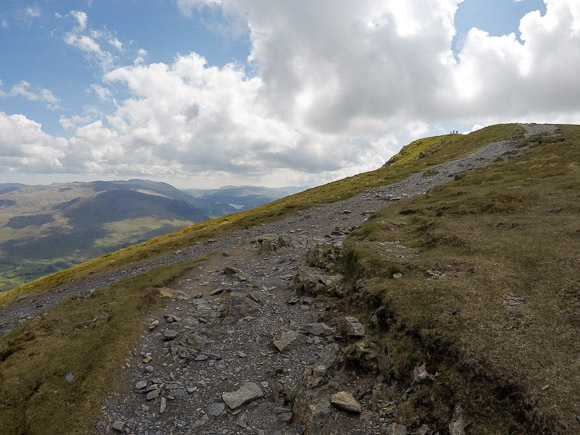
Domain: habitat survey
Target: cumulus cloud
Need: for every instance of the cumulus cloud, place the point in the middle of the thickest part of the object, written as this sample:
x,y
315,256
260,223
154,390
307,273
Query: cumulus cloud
x,y
116,44
24,147
535,77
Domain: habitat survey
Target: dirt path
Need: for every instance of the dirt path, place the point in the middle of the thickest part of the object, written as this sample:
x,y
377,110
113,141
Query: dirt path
x,y
238,351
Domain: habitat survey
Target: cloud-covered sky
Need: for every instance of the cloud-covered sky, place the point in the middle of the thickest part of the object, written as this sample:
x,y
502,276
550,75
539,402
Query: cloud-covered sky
x,y
203,93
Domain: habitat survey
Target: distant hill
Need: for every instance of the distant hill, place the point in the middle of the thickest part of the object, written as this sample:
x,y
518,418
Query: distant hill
x,y
231,199
44,229
7,187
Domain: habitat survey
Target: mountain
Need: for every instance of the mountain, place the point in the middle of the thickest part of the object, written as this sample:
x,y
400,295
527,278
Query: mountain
x,y
231,199
47,228
437,294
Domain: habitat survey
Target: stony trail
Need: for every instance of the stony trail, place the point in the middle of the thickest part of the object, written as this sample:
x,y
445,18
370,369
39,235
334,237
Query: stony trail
x,y
238,351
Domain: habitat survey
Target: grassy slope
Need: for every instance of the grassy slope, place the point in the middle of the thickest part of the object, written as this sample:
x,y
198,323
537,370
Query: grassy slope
x,y
510,230
88,337
35,357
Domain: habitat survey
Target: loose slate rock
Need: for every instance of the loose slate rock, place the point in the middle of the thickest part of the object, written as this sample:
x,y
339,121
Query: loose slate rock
x,y
169,335
246,393
352,327
285,340
215,409
346,401
141,385
397,429
118,426
153,394
318,329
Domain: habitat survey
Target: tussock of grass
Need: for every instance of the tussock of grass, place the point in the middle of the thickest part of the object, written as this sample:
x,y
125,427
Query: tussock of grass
x,y
507,231
437,150
88,337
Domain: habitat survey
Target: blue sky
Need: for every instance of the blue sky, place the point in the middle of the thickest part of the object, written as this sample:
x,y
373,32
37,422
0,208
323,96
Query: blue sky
x,y
202,93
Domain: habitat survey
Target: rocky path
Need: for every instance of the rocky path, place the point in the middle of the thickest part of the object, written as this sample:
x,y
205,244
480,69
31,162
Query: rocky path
x,y
238,351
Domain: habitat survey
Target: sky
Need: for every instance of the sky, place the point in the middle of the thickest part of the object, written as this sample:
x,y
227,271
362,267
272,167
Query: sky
x,y
206,93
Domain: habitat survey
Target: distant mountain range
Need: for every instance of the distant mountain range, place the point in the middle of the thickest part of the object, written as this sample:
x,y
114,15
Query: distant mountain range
x,y
231,199
44,229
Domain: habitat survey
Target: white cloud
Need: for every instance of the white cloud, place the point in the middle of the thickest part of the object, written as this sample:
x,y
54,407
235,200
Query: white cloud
x,y
115,43
87,41
90,115
81,18
104,94
24,147
32,11
25,90
141,57
4,24
187,6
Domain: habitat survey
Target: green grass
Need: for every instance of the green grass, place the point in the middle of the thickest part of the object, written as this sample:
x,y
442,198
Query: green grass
x,y
437,150
119,232
88,337
508,230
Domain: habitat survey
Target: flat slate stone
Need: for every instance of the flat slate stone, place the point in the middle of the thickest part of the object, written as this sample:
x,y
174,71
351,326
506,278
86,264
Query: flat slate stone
x,y
141,385
153,394
169,335
246,393
318,329
215,409
285,340
118,426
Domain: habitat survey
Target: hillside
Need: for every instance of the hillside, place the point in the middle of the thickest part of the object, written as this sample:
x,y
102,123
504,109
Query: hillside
x,y
44,229
438,294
